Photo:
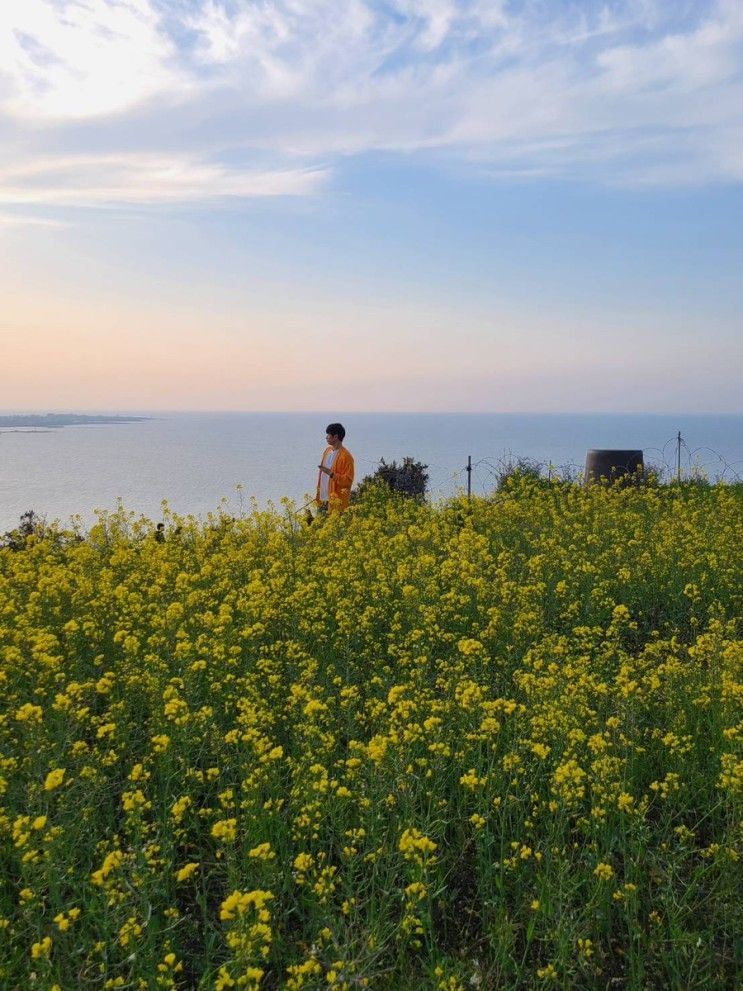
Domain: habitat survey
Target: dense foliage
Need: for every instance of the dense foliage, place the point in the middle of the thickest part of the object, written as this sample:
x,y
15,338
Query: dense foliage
x,y
408,478
494,745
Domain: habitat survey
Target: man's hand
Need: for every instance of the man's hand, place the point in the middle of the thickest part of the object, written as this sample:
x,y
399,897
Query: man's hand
x,y
326,470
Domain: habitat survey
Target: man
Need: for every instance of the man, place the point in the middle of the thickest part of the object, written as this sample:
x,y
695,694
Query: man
x,y
335,476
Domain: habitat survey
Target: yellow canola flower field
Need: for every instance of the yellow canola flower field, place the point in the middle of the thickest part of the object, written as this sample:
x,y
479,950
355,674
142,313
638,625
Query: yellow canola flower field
x,y
487,745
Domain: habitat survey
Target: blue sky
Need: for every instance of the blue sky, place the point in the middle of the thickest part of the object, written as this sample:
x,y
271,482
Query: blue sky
x,y
439,205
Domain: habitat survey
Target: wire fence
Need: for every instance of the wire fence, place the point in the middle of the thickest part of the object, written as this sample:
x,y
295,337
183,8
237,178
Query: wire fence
x,y
674,461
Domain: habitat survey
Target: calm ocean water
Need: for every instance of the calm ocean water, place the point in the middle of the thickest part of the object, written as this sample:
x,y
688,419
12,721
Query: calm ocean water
x,y
195,459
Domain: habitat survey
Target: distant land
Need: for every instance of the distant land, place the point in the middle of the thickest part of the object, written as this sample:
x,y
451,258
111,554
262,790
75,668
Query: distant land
x,y
63,419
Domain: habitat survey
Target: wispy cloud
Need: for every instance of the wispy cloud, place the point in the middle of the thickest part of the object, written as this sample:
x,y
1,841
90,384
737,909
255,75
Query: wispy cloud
x,y
24,220
158,91
112,180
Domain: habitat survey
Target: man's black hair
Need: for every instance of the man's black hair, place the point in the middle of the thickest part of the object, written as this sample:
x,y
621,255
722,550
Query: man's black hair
x,y
336,429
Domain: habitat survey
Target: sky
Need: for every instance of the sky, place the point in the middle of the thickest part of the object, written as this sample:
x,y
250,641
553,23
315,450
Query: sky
x,y
445,205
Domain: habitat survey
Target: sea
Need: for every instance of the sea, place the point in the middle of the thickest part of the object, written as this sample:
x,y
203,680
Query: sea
x,y
203,462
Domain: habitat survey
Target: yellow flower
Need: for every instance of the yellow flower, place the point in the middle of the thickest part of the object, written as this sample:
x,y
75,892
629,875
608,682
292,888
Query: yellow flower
x,y
377,748
262,852
415,846
469,647
471,780
130,931
416,891
224,980
29,713
134,801
41,949
238,903
605,872
179,808
111,862
225,830
303,862
160,743
54,779
547,973
186,872
170,962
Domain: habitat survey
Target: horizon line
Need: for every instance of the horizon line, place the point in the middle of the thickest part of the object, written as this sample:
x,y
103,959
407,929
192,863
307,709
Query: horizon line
x,y
133,411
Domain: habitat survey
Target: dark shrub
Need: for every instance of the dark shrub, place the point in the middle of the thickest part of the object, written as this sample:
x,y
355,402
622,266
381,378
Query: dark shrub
x,y
29,526
409,478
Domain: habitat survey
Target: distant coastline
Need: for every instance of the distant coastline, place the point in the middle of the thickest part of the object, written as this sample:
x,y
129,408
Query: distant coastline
x,y
55,420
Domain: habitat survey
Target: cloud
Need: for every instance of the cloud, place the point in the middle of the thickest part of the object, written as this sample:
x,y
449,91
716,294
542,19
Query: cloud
x,y
83,58
158,91
23,220
115,180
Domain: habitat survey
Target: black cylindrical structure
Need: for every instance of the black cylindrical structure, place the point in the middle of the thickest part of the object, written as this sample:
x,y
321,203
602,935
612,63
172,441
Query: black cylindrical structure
x,y
612,465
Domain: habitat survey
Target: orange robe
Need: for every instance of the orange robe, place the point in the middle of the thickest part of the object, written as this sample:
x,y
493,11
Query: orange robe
x,y
339,485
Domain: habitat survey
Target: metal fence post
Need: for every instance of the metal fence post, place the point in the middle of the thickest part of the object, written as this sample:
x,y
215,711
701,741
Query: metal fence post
x,y
678,457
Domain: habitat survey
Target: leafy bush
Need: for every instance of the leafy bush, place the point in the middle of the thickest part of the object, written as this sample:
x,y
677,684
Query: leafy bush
x,y
29,526
409,478
522,469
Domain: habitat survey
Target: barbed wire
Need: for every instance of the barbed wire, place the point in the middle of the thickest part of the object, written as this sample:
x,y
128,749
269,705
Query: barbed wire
x,y
727,466
488,472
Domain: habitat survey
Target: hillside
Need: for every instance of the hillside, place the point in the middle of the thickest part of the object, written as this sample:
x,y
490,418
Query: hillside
x,y
452,746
